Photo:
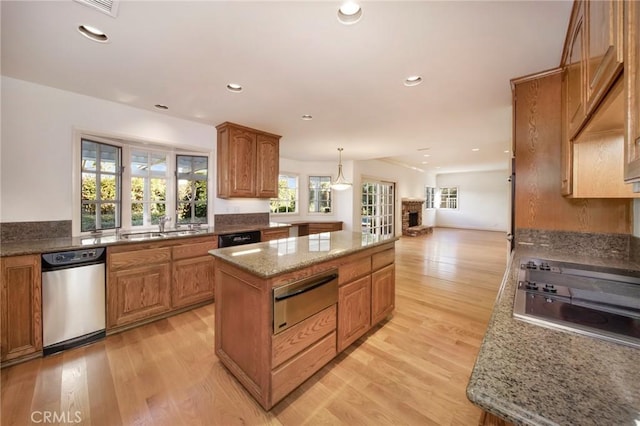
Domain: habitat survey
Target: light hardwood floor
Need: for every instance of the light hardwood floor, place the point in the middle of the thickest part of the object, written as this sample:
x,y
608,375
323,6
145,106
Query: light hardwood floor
x,y
412,370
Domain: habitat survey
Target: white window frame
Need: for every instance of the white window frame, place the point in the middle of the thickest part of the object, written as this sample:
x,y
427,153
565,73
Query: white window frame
x,y
297,196
127,144
317,201
430,197
448,203
382,217
170,193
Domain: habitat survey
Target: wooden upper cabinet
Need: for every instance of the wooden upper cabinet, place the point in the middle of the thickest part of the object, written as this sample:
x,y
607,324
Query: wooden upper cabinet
x,y
631,89
267,166
566,149
248,162
574,64
604,48
20,307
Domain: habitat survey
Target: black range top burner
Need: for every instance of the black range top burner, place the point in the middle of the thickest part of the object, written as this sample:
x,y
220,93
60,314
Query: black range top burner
x,y
599,302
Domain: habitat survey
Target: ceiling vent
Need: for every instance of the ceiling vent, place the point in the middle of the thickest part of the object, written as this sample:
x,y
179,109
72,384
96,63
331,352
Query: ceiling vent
x,y
110,7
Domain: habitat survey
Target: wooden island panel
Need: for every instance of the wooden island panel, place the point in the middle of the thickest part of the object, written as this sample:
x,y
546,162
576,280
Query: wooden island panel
x,y
269,365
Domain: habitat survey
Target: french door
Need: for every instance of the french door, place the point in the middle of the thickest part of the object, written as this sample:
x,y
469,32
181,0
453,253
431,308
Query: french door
x,y
378,207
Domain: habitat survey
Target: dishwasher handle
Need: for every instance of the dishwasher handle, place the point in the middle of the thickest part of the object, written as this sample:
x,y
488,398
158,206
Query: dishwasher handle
x,y
306,288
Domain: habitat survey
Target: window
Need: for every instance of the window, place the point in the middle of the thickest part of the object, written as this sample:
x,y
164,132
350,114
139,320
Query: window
x,y
319,194
191,202
449,198
287,201
101,200
137,185
148,187
430,193
378,202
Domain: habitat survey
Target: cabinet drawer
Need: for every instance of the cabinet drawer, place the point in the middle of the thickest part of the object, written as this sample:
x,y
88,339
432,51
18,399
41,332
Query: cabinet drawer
x,y
130,259
274,234
316,228
291,374
194,250
384,258
302,335
352,270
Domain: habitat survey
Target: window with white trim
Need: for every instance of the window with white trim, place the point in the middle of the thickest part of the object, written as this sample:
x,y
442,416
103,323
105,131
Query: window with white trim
x,y
149,177
287,201
449,198
430,195
192,189
101,191
378,212
319,194
137,185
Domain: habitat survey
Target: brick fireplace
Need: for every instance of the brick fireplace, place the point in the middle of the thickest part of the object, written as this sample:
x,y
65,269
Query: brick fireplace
x,y
412,218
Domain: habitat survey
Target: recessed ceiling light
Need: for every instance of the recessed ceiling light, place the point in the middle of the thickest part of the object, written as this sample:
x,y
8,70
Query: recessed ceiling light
x,y
506,151
427,155
307,117
234,87
349,13
413,80
161,106
92,33
475,149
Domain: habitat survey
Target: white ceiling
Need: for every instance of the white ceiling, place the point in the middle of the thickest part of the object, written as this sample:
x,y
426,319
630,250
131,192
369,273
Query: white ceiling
x,y
295,58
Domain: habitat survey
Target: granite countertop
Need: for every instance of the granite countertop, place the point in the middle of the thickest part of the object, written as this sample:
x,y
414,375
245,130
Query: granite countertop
x,y
74,243
539,376
272,258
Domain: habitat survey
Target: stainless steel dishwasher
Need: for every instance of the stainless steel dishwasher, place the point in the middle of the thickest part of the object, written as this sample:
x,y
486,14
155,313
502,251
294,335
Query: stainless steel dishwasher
x,y
73,298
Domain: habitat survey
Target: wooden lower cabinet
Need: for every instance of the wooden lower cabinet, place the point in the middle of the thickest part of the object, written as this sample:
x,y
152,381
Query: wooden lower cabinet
x,y
274,234
193,273
192,281
20,307
269,365
318,227
354,311
138,293
383,293
153,279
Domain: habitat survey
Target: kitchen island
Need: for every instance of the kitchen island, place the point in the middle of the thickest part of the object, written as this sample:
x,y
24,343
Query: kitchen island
x,y
534,375
271,360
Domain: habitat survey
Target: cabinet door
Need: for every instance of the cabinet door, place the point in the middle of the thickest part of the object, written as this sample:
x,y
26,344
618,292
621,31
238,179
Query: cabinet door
x,y
566,148
604,48
192,281
631,89
354,311
383,293
575,73
242,163
138,293
20,307
267,166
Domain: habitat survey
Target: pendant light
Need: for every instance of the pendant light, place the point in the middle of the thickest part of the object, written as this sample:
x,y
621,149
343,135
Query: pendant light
x,y
340,183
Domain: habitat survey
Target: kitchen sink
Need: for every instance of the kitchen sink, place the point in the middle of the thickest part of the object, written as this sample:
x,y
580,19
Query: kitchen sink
x,y
150,235
598,302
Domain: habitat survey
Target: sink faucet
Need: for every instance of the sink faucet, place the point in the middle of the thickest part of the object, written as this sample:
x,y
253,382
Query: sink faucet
x,y
163,220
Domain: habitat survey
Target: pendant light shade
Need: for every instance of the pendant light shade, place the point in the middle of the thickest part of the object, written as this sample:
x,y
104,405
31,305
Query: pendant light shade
x,y
340,184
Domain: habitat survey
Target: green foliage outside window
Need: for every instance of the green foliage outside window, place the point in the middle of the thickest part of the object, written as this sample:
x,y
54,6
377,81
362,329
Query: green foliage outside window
x,y
287,195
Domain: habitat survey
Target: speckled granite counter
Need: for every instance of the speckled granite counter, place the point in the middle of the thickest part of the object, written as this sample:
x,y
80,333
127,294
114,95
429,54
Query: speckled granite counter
x,y
272,258
73,243
532,375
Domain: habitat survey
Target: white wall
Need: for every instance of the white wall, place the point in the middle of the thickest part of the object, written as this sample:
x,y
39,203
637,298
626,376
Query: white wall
x,y
483,201
37,136
38,125
409,184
